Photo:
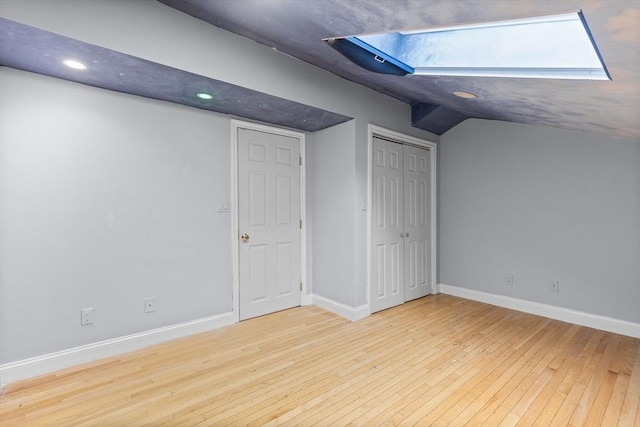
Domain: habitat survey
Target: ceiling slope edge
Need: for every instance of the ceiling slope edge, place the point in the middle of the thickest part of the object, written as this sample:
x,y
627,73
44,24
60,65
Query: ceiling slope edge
x,y
35,50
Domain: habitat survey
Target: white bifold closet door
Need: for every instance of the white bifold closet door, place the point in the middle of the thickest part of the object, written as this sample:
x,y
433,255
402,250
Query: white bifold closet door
x,y
401,224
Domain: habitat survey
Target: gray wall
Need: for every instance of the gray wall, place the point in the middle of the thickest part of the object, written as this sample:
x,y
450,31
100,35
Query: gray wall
x,y
107,199
153,31
542,204
332,156
104,201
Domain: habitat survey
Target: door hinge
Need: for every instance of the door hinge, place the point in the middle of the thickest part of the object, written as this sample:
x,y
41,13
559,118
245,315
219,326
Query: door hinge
x,y
300,224
300,160
300,286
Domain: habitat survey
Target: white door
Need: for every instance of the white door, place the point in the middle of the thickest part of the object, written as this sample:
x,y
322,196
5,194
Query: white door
x,y
387,276
417,223
268,222
401,223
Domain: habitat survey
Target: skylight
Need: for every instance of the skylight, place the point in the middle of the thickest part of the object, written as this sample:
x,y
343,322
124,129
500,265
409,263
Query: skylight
x,y
555,46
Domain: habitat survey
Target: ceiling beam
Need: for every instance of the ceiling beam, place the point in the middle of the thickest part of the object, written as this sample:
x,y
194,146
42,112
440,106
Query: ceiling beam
x,y
435,118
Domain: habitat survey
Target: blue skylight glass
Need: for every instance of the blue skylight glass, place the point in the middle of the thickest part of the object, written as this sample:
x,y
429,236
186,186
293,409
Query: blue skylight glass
x,y
556,46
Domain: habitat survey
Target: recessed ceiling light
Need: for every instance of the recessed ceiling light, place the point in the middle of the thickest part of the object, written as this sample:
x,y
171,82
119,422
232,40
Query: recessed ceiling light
x,y
465,95
204,95
76,65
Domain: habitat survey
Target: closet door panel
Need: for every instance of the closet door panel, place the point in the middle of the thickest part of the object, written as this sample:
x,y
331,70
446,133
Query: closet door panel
x,y
387,278
417,222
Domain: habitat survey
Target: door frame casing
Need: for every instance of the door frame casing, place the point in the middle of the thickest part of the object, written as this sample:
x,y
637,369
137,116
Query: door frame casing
x,y
372,131
235,232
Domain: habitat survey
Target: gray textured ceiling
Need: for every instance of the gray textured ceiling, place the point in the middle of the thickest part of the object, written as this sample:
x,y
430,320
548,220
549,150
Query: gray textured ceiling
x,y
297,28
32,49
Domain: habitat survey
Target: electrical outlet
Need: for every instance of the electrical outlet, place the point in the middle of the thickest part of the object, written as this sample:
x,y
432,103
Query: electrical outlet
x,y
509,280
554,286
149,305
86,316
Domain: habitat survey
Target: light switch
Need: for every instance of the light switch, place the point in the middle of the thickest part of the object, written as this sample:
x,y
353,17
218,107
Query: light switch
x,y
223,206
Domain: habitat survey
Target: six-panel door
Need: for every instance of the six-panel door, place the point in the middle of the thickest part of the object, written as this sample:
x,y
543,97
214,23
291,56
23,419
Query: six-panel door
x,y
268,222
417,223
387,254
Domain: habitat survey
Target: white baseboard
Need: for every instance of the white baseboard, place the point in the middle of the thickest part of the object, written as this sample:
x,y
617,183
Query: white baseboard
x,y
595,321
350,313
27,368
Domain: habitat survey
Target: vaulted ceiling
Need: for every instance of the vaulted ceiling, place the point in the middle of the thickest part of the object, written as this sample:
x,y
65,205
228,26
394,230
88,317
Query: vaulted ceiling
x,y
298,27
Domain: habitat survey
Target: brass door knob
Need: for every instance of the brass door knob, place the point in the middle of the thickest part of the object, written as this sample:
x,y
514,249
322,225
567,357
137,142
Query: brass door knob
x,y
244,237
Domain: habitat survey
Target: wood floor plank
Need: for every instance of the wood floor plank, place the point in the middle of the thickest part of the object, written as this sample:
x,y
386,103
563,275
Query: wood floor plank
x,y
586,404
546,402
487,360
439,360
630,412
514,381
559,396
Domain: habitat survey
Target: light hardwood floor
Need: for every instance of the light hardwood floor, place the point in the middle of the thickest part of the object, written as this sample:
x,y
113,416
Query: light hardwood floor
x,y
440,360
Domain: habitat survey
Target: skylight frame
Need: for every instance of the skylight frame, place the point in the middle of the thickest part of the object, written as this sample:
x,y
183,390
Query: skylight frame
x,y
381,56
431,55
503,23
